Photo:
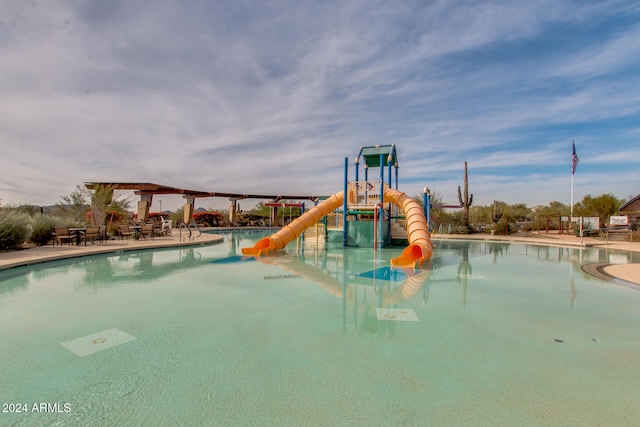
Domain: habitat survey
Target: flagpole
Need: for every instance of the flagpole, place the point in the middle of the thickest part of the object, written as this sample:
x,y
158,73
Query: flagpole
x,y
571,210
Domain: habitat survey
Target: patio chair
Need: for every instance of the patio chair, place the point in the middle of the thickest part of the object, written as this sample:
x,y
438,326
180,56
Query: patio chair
x,y
60,234
124,231
146,231
91,235
166,227
157,226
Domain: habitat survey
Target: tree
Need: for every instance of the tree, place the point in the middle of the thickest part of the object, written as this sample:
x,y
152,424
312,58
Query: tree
x,y
602,206
520,212
261,209
481,215
437,213
74,206
77,204
104,199
554,208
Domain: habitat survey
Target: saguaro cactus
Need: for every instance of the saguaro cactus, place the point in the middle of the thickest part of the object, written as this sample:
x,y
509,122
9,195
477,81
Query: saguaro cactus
x,y
468,198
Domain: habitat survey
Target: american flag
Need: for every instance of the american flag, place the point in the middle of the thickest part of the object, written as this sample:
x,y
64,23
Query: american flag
x,y
574,159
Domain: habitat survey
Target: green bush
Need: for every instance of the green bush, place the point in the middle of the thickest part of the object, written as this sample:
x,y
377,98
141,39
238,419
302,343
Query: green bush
x,y
503,228
15,229
42,226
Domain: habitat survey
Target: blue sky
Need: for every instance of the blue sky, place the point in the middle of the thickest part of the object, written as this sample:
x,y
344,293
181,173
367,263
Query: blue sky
x,y
270,97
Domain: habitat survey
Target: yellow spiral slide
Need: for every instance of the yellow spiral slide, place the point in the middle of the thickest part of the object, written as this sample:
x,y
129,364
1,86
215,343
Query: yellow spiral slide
x,y
418,251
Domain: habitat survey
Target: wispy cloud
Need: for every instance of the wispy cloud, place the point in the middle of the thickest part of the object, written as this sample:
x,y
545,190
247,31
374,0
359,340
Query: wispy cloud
x,y
270,97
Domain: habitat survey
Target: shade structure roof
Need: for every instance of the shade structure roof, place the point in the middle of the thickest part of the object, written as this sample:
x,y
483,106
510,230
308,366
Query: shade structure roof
x,y
371,155
632,205
151,188
145,188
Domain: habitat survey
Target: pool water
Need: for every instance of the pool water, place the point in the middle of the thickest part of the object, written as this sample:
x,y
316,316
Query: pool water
x,y
488,334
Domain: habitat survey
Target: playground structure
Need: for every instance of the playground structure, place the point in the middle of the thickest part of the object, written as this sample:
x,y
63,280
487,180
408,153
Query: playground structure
x,y
372,213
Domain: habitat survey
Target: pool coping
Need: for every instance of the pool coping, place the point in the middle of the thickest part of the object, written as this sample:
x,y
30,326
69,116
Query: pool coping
x,y
599,270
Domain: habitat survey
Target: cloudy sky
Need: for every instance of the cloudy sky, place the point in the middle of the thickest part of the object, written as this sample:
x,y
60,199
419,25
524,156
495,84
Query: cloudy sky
x,y
271,96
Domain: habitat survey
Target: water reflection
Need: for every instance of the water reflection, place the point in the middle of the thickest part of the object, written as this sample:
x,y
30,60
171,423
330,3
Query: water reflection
x,y
105,271
464,271
362,293
146,266
20,281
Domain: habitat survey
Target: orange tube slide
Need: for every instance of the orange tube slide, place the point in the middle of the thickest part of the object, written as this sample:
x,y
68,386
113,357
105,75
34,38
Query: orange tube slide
x,y
291,231
420,247
419,250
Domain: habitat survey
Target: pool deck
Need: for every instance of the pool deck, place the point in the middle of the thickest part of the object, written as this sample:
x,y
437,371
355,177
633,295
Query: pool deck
x,y
629,273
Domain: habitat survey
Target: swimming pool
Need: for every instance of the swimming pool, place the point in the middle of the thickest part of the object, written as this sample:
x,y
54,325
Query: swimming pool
x,y
492,334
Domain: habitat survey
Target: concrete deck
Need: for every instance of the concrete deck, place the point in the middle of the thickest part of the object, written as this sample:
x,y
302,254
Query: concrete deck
x,y
629,273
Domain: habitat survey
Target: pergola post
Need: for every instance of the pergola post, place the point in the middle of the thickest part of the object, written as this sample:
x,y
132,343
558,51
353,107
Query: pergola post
x,y
188,209
233,208
143,206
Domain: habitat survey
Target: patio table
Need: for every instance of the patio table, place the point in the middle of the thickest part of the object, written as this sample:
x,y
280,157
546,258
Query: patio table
x,y
78,231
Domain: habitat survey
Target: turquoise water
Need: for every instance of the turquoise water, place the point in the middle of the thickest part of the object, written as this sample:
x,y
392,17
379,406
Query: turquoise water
x,y
490,334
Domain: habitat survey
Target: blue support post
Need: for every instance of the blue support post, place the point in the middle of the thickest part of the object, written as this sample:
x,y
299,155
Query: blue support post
x,y
302,213
389,165
344,204
356,180
427,207
366,179
381,208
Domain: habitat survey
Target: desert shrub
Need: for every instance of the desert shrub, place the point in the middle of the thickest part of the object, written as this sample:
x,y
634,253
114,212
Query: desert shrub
x,y
502,227
177,217
15,229
461,229
209,219
251,219
42,228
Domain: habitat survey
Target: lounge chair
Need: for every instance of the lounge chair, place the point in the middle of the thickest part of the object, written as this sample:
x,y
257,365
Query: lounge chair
x,y
60,234
91,234
146,231
124,231
157,227
166,227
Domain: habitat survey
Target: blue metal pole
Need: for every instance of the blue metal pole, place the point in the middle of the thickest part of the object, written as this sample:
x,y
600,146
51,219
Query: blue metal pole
x,y
302,213
357,185
344,204
389,165
380,238
427,207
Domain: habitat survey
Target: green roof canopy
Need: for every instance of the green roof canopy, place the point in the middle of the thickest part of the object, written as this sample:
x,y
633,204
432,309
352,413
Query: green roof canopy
x,y
371,155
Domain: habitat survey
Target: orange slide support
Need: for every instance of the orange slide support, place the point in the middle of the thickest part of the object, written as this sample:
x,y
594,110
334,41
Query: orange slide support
x,y
420,247
419,250
291,231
